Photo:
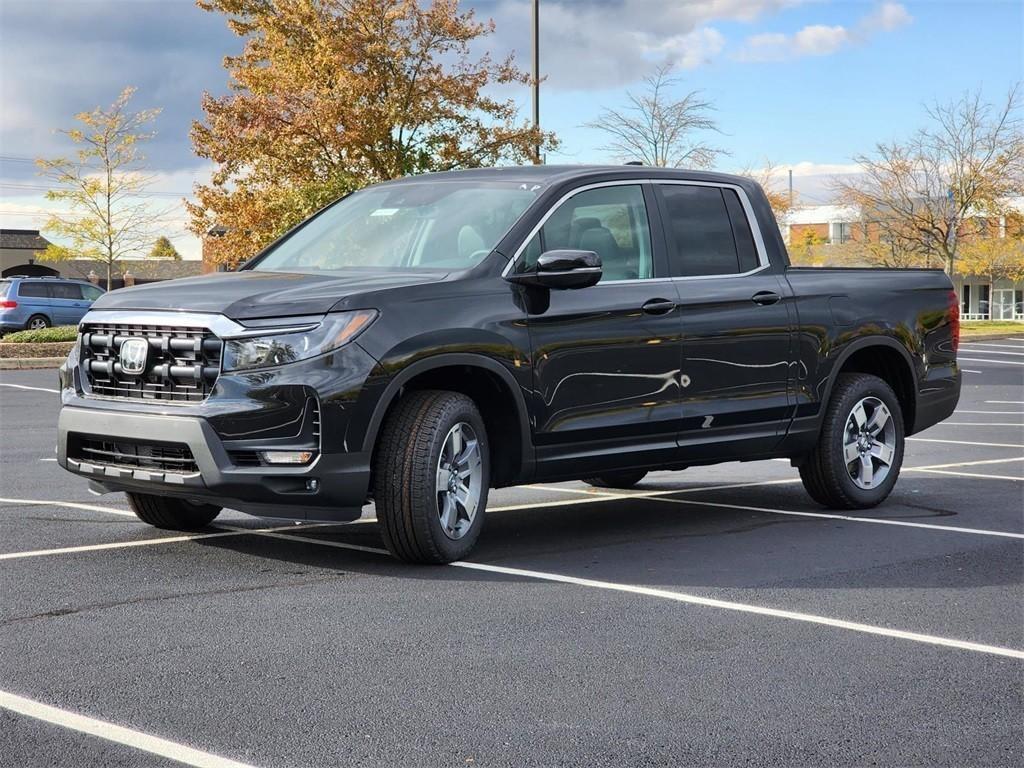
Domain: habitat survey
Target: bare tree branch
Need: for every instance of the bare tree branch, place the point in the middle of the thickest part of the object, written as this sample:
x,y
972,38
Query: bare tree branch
x,y
967,163
658,131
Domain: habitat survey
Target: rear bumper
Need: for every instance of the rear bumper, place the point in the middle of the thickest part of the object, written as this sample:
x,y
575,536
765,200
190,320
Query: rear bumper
x,y
338,493
937,398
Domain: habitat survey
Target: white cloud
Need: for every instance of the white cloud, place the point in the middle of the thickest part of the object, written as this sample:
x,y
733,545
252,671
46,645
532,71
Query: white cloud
x,y
887,17
602,45
819,40
822,40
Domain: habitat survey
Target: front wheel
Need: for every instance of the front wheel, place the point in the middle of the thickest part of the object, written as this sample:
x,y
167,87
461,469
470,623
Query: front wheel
x,y
431,476
170,513
860,450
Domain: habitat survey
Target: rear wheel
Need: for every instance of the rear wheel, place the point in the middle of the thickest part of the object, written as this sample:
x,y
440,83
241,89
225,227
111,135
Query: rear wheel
x,y
860,450
38,322
170,513
620,480
431,477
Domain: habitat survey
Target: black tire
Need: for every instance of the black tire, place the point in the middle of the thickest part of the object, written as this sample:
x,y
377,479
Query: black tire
x,y
405,475
621,480
170,513
38,319
824,473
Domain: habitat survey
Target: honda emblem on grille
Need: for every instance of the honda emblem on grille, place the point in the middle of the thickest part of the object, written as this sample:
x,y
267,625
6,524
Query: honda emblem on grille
x,y
133,355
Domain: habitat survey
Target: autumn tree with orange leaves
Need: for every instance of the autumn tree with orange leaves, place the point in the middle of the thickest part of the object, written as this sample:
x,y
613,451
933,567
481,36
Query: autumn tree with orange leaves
x,y
330,95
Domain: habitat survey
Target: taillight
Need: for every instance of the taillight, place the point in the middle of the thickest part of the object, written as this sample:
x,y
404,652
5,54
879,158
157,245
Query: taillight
x,y
8,304
954,319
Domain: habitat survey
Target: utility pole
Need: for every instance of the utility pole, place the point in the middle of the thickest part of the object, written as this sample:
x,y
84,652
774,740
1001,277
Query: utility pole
x,y
536,78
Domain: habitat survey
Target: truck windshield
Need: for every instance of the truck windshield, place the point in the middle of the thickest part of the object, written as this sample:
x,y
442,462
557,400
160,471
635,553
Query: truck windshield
x,y
449,225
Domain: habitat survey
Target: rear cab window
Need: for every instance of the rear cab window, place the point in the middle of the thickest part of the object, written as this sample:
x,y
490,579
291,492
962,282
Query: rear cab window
x,y
707,231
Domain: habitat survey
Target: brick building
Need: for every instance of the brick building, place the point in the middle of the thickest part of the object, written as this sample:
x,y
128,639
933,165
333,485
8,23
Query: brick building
x,y
981,298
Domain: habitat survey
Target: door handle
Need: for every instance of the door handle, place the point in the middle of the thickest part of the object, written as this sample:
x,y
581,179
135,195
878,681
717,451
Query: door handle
x,y
764,298
658,306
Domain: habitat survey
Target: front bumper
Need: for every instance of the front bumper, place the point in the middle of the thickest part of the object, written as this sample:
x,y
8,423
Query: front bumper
x,y
246,412
338,493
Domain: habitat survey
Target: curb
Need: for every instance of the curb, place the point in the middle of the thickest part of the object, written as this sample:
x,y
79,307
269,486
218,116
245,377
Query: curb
x,y
24,363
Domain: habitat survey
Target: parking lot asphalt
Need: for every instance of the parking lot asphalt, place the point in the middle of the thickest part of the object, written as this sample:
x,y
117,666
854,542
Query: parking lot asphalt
x,y
715,616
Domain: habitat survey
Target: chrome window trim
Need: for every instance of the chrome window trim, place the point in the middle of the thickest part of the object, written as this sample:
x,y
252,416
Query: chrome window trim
x,y
755,228
558,204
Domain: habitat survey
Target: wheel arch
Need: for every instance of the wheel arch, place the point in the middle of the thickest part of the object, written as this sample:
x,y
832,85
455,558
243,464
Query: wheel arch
x,y
476,376
887,359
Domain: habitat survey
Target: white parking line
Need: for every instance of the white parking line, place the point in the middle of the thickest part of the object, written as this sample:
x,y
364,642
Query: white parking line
x,y
65,718
729,605
116,733
1019,424
986,344
22,386
231,531
1003,413
849,518
982,349
983,360
968,370
695,599
973,474
1005,402
992,352
963,442
68,505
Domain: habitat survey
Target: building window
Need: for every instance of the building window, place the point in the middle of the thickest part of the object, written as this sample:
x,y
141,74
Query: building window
x,y
841,232
984,300
965,299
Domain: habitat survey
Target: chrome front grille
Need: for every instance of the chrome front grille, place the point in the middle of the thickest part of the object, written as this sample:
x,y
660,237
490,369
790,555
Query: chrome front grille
x,y
182,363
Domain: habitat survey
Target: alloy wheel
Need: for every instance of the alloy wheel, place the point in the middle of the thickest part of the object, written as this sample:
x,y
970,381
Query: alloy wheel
x,y
869,443
459,481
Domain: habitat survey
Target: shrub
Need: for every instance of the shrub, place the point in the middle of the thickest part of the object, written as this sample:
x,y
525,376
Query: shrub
x,y
44,335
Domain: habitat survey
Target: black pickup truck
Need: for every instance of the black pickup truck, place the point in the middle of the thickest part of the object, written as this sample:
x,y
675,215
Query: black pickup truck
x,y
422,341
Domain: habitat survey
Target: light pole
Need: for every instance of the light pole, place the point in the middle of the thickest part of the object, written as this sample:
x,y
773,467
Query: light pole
x,y
536,78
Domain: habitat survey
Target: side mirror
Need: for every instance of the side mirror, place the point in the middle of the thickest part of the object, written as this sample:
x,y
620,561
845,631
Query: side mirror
x,y
561,270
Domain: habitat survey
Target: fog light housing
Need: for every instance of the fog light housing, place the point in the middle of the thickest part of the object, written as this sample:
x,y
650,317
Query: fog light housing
x,y
286,457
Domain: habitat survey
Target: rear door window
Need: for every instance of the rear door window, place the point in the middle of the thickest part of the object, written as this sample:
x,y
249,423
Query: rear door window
x,y
707,231
33,290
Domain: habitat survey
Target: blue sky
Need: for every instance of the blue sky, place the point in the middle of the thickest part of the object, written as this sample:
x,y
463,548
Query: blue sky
x,y
802,83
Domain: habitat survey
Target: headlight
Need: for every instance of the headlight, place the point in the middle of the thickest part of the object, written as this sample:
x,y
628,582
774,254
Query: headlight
x,y
281,346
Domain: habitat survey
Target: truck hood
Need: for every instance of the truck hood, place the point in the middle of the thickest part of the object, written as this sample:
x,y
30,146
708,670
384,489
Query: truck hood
x,y
250,295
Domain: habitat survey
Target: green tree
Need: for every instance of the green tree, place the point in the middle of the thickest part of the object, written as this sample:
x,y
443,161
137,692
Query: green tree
x,y
100,186
329,95
163,248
